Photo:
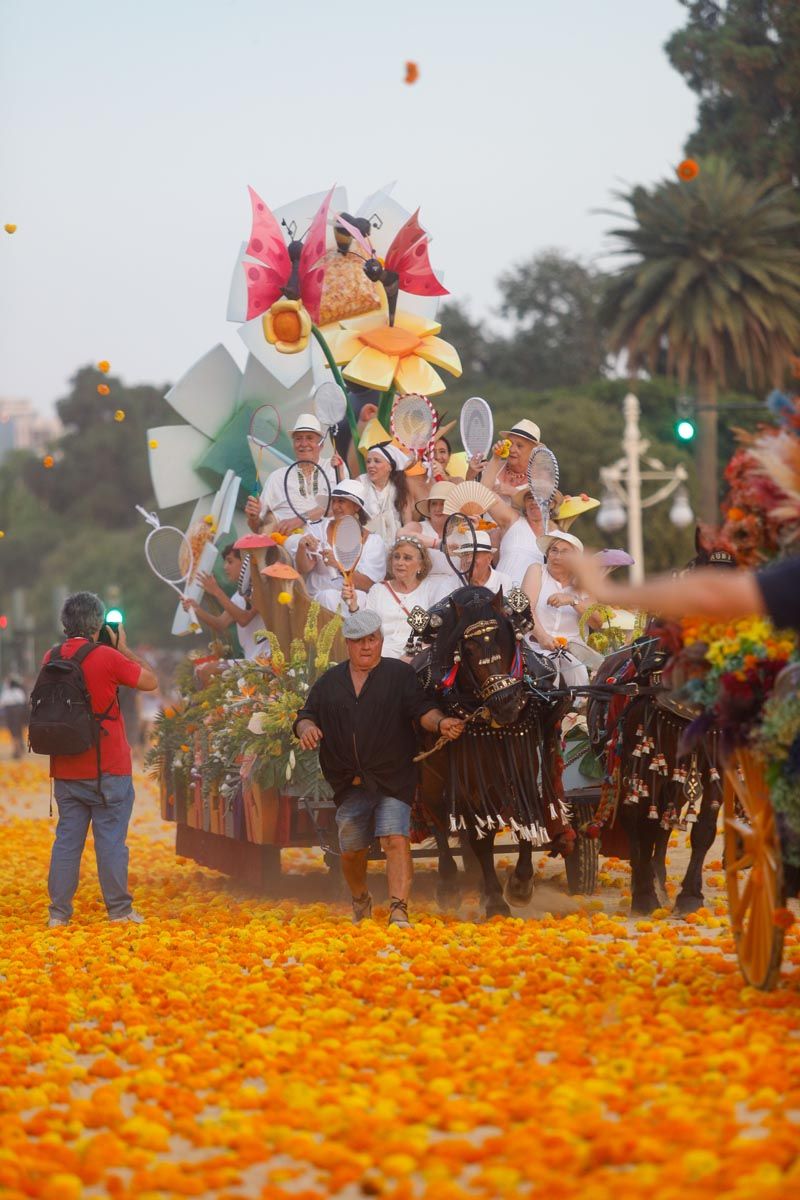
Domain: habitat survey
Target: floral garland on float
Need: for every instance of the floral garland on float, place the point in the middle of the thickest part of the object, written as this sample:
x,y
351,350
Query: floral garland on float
x,y
225,756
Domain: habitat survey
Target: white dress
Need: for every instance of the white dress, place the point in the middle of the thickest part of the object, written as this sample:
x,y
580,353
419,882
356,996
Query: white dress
x,y
518,551
560,622
384,518
394,612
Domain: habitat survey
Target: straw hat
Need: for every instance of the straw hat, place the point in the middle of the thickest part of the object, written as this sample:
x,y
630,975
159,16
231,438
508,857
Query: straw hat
x,y
546,540
523,429
482,542
307,423
439,491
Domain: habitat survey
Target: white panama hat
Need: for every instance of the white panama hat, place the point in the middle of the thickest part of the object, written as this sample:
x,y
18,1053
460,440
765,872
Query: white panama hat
x,y
307,423
559,535
350,489
482,542
523,429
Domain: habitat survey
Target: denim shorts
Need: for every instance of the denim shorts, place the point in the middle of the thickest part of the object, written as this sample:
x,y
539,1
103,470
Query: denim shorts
x,y
362,816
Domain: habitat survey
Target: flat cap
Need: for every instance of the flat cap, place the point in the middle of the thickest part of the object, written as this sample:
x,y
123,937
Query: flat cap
x,y
361,624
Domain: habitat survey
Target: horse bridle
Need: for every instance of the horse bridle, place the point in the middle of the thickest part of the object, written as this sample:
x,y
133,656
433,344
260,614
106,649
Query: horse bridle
x,y
493,685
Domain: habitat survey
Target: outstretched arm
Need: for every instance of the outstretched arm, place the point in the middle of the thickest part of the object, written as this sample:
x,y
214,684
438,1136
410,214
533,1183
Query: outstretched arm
x,y
708,592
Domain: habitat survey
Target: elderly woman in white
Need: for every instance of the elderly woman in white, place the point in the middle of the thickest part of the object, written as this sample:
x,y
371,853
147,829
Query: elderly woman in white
x,y
557,607
408,584
314,556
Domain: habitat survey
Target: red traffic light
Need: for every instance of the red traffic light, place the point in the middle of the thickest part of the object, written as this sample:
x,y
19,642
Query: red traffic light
x,y
3,621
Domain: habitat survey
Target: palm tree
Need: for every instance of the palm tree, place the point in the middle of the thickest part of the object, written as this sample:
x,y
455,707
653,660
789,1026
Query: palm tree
x,y
713,281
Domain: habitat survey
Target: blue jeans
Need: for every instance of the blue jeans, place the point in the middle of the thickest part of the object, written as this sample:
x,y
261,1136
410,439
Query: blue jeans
x,y
362,815
78,806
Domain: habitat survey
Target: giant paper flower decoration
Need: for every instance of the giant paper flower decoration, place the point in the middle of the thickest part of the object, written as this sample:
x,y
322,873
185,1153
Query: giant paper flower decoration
x,y
377,355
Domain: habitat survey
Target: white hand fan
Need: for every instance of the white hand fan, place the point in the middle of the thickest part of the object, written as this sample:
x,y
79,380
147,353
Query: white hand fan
x,y
477,427
347,546
470,498
414,421
543,479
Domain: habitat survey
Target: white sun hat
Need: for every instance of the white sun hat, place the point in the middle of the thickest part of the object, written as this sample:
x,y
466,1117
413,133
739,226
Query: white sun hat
x,y
523,429
482,542
546,540
307,423
350,489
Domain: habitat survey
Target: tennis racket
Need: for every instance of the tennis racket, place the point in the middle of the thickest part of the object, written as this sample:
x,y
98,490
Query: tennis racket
x,y
477,427
265,426
543,479
347,546
330,403
459,531
308,492
414,422
168,552
243,585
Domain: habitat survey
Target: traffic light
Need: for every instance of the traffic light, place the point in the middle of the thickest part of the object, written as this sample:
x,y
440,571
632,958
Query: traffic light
x,y
685,427
115,616
3,621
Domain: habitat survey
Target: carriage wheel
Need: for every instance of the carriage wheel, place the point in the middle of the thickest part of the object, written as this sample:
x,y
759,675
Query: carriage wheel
x,y
753,872
581,866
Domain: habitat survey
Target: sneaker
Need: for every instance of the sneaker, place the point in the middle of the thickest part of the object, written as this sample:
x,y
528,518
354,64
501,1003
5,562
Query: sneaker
x,y
54,922
398,914
134,917
362,908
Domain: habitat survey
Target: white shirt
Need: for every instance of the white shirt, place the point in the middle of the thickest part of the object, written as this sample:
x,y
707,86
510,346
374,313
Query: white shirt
x,y
384,518
498,579
518,550
247,633
273,496
394,615
558,622
323,578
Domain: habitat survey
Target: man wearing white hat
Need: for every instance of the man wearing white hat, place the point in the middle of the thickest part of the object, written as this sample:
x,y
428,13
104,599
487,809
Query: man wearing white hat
x,y
314,555
508,475
307,441
478,553
362,716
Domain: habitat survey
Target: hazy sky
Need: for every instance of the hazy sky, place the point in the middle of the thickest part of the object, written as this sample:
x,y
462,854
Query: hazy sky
x,y
130,129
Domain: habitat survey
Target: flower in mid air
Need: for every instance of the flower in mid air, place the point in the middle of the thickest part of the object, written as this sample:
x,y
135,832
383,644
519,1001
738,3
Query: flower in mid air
x,y
378,355
104,366
9,228
412,73
153,444
48,461
687,170
119,415
103,389
287,326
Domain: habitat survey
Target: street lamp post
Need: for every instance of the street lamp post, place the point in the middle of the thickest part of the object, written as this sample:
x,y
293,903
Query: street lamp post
x,y
622,482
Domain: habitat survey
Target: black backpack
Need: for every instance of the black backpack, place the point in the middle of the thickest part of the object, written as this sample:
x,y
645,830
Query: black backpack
x,y
62,719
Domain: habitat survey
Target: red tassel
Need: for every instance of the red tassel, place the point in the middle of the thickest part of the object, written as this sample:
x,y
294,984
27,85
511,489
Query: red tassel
x,y
450,677
516,666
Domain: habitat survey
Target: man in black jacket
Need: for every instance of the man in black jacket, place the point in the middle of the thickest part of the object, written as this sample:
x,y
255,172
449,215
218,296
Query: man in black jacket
x,y
362,716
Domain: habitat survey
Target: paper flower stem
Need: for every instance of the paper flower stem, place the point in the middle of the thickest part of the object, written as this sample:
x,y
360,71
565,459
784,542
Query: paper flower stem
x,y
337,375
385,407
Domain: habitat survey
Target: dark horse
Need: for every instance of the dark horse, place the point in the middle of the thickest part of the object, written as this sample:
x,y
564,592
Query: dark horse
x,y
648,784
505,768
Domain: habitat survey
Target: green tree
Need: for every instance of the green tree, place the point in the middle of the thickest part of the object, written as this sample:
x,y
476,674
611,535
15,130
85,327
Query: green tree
x,y
742,58
553,303
713,276
101,469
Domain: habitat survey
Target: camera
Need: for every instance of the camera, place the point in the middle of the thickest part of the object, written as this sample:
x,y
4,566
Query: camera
x,y
109,634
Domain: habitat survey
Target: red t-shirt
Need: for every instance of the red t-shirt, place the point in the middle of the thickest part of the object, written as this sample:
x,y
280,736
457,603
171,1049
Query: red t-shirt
x,y
105,669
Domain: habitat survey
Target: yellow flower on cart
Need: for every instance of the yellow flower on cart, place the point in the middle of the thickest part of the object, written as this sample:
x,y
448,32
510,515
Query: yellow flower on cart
x,y
378,355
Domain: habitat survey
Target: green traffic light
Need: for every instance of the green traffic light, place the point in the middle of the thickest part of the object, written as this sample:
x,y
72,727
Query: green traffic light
x,y
685,430
114,617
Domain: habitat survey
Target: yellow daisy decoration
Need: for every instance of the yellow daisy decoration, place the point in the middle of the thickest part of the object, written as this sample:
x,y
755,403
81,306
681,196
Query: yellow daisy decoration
x,y
378,355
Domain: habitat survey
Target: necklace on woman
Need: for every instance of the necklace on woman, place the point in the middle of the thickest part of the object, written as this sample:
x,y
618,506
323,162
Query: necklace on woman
x,y
515,478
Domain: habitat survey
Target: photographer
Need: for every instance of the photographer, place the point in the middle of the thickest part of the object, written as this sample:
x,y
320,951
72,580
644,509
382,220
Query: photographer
x,y
83,798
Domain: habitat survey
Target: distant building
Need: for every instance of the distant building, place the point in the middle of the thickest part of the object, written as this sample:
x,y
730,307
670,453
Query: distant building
x,y
23,427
